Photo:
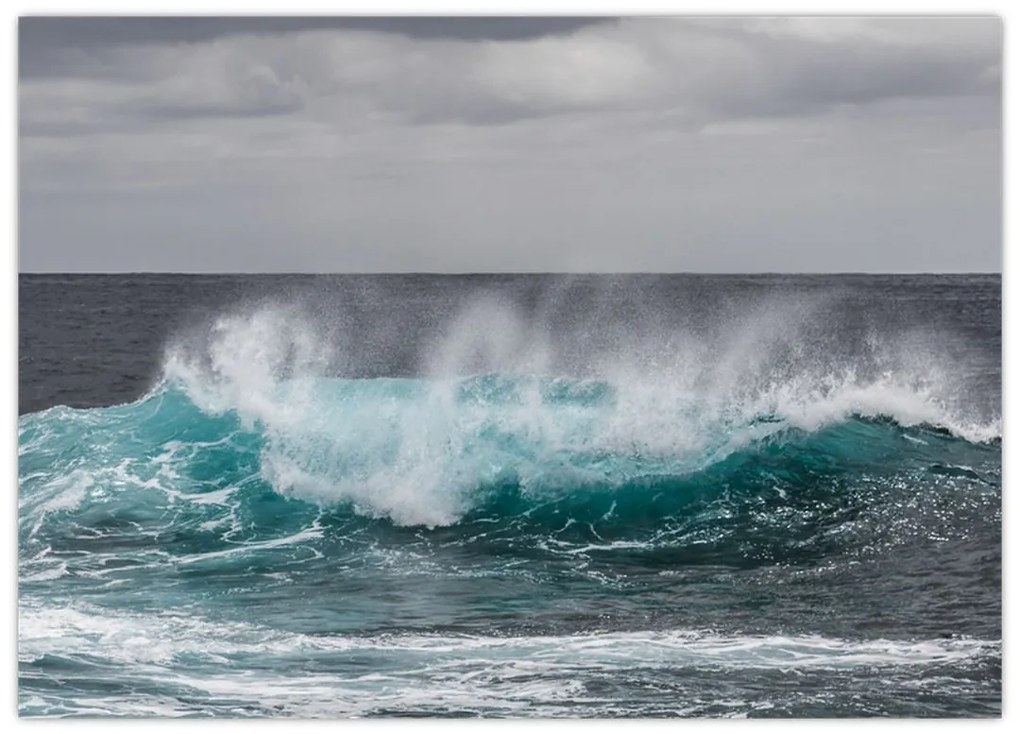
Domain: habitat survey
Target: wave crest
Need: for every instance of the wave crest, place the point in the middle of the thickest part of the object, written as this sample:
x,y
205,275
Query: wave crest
x,y
428,450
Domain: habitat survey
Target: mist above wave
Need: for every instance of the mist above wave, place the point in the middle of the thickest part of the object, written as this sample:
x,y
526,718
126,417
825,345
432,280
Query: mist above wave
x,y
506,393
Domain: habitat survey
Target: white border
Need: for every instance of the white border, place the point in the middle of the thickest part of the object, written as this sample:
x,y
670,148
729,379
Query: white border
x,y
8,324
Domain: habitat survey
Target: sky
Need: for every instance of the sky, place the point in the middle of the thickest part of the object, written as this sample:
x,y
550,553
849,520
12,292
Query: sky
x,y
525,144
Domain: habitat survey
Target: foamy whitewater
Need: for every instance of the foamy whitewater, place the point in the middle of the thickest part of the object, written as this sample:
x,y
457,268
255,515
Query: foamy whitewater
x,y
566,497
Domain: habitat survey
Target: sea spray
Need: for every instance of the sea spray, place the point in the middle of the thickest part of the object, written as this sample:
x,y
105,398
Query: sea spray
x,y
596,501
417,450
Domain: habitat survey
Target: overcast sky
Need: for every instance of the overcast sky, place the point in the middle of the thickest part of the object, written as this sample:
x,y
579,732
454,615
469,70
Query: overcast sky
x,y
518,144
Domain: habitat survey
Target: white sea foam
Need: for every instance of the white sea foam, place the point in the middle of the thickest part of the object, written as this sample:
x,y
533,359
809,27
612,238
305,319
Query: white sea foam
x,y
296,539
84,629
64,493
413,452
410,671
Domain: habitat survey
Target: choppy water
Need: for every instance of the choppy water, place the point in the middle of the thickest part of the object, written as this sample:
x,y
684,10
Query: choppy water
x,y
510,496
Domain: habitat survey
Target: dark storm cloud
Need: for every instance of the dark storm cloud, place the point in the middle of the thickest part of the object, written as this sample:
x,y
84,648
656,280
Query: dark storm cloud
x,y
115,50
58,45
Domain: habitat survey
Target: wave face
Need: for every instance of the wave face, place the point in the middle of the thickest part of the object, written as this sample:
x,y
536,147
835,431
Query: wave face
x,y
260,535
444,453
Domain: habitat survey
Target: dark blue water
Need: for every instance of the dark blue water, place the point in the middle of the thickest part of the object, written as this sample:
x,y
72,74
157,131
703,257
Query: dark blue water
x,y
510,496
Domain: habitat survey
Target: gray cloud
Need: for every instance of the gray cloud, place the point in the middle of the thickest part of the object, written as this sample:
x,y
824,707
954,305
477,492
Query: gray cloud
x,y
704,69
58,45
526,143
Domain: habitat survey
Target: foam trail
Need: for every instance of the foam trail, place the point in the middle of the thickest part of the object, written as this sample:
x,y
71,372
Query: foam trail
x,y
464,673
167,638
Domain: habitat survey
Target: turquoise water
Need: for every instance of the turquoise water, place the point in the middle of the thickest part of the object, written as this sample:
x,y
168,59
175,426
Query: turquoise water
x,y
791,521
400,532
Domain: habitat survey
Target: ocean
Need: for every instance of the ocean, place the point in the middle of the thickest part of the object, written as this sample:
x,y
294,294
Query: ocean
x,y
509,496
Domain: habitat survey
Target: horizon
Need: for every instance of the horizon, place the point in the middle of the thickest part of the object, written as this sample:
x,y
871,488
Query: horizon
x,y
513,272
